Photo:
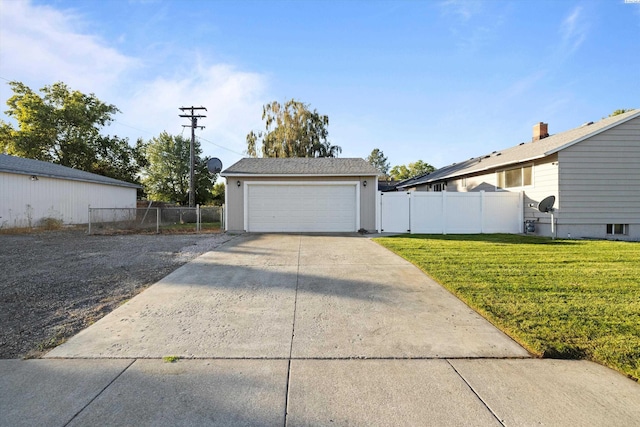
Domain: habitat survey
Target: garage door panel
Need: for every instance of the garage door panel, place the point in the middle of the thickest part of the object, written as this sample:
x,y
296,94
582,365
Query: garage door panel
x,y
298,207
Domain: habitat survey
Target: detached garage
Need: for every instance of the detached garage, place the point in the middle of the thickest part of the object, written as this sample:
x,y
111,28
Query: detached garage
x,y
300,195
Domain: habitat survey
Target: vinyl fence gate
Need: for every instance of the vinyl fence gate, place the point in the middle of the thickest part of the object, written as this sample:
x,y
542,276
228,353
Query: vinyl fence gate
x,y
421,212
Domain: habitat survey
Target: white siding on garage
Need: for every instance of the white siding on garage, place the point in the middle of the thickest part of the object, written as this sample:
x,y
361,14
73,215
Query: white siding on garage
x,y
302,206
25,202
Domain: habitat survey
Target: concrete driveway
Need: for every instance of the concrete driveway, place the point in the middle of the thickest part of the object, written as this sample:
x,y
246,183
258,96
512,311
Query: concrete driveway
x,y
305,330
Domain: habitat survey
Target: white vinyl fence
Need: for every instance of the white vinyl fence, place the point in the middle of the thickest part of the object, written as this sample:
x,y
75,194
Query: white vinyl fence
x,y
419,212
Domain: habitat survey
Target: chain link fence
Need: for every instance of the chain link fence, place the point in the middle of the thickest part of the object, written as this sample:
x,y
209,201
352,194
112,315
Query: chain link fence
x,y
155,220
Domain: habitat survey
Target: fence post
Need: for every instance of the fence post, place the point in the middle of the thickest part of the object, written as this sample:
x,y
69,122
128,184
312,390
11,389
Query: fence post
x,y
198,218
444,212
89,221
157,220
482,212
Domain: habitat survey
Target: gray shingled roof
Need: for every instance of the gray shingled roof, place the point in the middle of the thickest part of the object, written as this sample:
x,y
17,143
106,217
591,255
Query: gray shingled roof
x,y
522,152
301,166
22,166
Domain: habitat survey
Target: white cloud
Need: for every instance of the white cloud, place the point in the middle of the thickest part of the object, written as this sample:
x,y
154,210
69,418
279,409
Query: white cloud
x,y
233,100
573,30
42,45
464,9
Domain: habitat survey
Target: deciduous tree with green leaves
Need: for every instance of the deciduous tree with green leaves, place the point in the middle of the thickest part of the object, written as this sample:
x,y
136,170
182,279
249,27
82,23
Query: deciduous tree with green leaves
x,y
166,175
379,161
218,193
292,130
63,126
400,172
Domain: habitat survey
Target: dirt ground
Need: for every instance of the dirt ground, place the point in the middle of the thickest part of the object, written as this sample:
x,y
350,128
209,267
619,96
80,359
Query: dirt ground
x,y
54,284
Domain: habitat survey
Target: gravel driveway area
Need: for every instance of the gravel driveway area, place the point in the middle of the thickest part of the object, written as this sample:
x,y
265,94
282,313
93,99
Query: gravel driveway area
x,y
54,284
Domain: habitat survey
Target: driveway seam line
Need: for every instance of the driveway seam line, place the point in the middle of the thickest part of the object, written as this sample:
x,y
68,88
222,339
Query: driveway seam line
x,y
100,393
293,334
475,393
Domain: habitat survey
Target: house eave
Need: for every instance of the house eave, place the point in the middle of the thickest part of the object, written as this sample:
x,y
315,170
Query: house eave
x,y
473,171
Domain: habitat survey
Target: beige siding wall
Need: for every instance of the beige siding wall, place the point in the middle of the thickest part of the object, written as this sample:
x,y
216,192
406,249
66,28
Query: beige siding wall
x,y
235,198
600,181
24,203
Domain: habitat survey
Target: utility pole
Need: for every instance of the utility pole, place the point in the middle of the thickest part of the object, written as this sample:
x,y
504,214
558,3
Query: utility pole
x,y
192,156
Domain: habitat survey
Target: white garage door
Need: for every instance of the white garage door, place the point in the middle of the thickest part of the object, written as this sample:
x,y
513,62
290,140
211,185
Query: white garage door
x,y
301,207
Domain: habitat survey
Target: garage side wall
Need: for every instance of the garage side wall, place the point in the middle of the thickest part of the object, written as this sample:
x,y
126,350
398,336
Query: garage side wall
x,y
24,203
235,197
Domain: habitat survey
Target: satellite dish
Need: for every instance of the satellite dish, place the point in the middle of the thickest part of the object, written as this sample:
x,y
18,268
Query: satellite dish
x,y
214,165
546,205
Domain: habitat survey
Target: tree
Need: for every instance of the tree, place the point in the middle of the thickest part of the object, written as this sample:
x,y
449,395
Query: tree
x,y
166,175
292,130
63,127
379,161
401,172
619,111
218,194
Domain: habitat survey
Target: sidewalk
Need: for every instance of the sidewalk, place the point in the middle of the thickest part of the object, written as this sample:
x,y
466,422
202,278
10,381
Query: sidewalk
x,y
304,330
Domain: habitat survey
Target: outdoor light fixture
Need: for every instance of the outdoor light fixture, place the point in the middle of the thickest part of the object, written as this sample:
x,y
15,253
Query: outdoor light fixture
x,y
364,183
33,178
238,183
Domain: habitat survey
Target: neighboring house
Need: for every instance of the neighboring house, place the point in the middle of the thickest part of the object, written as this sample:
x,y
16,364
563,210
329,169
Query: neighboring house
x,y
32,190
593,171
300,195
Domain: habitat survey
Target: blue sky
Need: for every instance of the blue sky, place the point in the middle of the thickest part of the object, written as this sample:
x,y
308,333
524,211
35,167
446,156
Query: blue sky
x,y
438,81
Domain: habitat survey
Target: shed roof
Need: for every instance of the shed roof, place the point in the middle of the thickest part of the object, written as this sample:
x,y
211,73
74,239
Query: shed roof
x,y
522,152
300,166
22,166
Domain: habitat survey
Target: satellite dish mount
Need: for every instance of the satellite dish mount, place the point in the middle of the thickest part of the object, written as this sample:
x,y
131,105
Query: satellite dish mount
x,y
546,206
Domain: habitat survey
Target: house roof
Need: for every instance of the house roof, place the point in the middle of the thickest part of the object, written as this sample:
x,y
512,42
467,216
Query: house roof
x,y
301,166
22,166
522,152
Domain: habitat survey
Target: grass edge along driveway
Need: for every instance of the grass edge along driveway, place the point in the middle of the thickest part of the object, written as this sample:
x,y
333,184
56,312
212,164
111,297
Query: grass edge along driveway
x,y
570,299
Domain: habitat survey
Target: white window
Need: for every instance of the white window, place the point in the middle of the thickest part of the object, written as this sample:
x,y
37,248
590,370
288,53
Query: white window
x,y
463,183
617,228
513,178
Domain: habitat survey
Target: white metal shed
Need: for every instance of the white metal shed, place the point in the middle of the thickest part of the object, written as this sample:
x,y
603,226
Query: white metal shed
x,y
32,190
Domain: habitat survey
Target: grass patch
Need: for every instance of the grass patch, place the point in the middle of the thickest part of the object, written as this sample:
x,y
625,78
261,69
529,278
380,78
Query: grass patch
x,y
573,299
170,359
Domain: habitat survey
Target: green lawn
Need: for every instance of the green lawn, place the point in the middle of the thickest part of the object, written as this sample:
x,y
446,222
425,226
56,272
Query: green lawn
x,y
558,298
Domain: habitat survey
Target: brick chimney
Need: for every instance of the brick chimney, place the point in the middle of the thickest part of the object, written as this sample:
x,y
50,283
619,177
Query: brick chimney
x,y
540,131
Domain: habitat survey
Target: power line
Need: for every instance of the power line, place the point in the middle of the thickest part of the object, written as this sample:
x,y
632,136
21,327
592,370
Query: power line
x,y
220,146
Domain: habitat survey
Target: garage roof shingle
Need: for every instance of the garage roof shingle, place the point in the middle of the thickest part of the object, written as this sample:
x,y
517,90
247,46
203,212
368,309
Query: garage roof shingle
x,y
22,166
327,166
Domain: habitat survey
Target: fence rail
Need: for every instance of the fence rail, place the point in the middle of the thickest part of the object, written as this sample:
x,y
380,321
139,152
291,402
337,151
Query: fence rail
x,y
166,219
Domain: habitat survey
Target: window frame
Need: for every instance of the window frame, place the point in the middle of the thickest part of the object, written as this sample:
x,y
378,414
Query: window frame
x,y
612,230
501,176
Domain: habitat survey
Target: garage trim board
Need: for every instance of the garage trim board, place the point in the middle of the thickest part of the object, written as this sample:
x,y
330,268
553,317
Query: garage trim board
x,y
301,206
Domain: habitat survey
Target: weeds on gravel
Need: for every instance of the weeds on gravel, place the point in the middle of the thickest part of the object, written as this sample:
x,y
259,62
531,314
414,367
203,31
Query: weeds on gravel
x,y
559,298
